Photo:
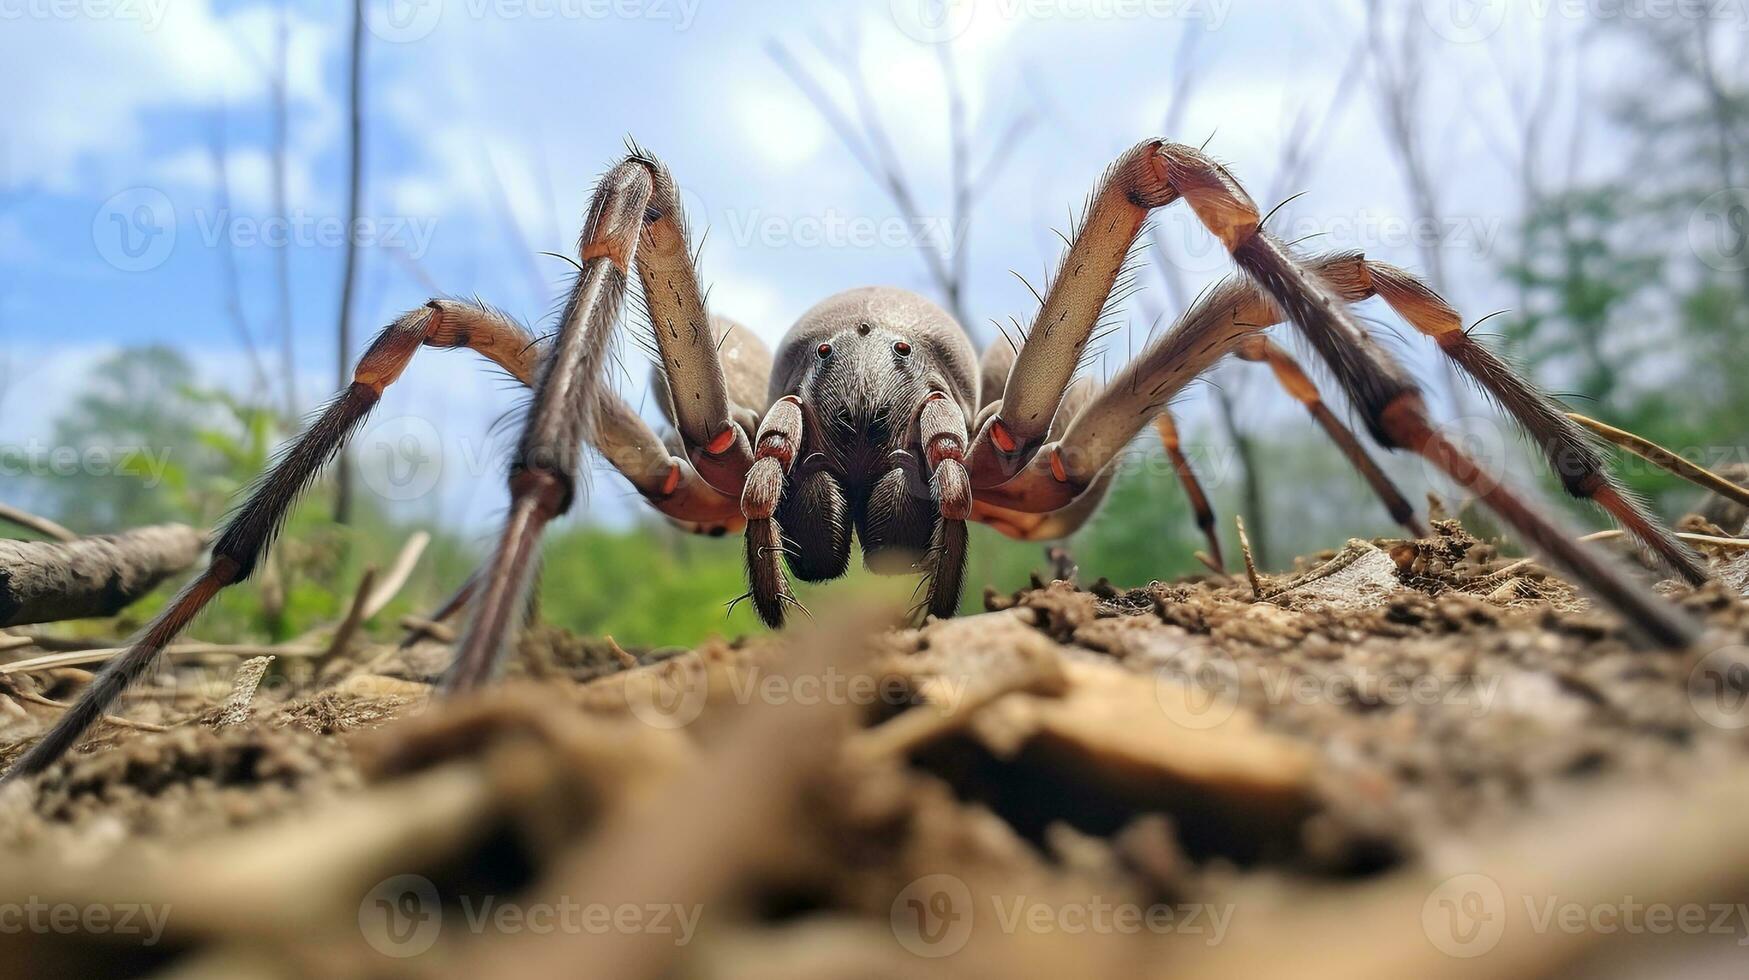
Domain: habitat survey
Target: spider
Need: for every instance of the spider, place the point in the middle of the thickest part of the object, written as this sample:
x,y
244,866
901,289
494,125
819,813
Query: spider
x,y
877,417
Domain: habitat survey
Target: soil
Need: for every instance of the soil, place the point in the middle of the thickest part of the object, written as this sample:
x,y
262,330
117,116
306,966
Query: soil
x,y
1318,751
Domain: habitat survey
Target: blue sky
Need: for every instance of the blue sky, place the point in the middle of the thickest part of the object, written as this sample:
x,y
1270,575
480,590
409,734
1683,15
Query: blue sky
x,y
487,121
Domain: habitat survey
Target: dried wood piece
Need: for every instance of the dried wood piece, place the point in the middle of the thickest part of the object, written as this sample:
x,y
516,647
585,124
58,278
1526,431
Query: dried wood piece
x,y
37,699
41,525
193,648
399,572
46,581
1474,910
1167,745
698,836
241,703
356,613
1360,575
1250,562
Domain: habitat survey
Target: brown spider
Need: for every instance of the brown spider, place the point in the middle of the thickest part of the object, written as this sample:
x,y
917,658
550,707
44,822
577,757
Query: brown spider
x,y
876,413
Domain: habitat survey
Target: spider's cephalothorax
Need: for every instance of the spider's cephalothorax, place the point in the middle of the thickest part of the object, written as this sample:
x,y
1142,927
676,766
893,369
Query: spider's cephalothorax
x,y
877,416
862,365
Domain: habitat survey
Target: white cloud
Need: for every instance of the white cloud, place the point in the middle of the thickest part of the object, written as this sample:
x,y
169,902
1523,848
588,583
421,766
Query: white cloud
x,y
91,123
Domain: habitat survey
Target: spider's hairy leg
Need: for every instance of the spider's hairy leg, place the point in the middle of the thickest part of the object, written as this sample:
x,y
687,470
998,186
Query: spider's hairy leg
x,y
1193,491
251,529
1156,173
1294,381
1064,520
1067,316
1569,450
1382,391
666,482
1078,455
1397,417
942,433
686,343
780,436
544,468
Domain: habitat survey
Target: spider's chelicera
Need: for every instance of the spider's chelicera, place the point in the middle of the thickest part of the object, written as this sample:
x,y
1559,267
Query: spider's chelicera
x,y
876,417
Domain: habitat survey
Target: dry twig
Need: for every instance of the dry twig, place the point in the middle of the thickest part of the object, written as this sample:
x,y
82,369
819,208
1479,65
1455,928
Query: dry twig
x,y
31,522
46,581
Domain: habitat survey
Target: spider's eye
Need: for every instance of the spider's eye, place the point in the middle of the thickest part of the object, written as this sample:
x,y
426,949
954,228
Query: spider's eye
x,y
825,351
901,348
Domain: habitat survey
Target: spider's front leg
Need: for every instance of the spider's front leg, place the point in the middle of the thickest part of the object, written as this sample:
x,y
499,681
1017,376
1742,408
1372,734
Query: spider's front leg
x,y
1155,174
250,531
697,391
634,223
545,466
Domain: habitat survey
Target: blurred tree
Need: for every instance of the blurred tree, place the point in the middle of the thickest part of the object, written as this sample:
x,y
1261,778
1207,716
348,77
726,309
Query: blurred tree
x,y
122,452
1647,325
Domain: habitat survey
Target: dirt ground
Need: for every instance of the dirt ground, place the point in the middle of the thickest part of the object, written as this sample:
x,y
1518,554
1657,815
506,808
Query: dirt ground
x,y
1401,759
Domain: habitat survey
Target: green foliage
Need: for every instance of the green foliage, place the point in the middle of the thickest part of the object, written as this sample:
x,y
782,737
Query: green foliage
x,y
1614,298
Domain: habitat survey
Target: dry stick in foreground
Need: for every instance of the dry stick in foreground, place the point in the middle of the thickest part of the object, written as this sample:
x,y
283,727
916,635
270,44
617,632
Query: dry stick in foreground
x,y
688,843
1657,455
1640,842
31,522
355,614
1713,540
117,720
46,581
192,648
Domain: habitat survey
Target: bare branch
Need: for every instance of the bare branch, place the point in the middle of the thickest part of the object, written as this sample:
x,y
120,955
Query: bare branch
x,y
46,581
32,522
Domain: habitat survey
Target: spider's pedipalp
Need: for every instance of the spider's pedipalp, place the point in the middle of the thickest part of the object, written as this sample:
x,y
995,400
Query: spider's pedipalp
x,y
942,433
778,441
